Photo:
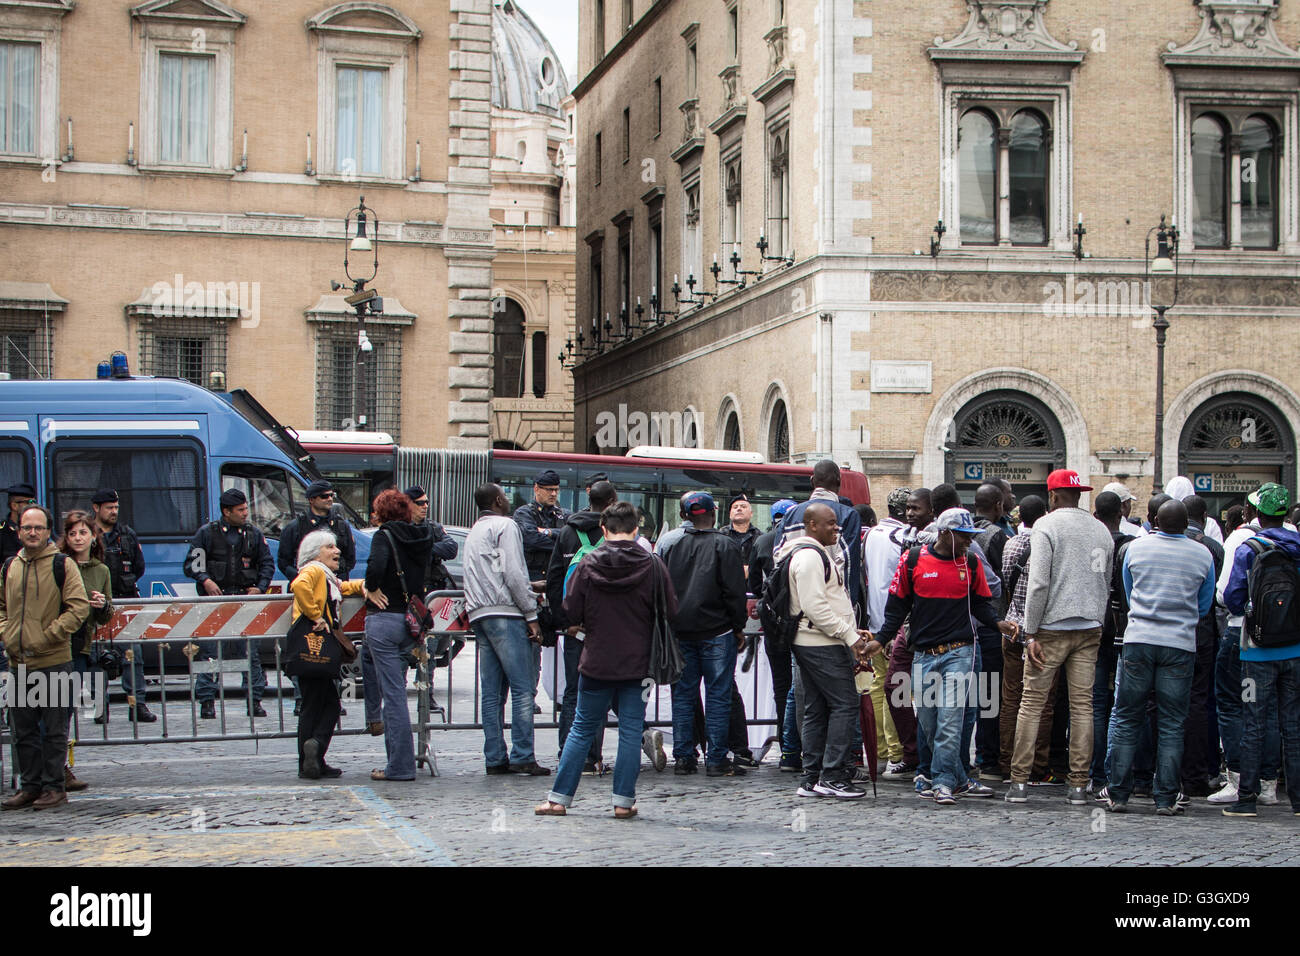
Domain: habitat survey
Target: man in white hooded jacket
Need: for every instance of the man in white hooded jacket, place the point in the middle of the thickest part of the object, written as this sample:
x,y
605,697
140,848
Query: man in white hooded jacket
x,y
824,648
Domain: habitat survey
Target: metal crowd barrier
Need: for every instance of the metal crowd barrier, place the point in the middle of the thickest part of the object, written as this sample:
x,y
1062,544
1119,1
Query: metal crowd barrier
x,y
156,631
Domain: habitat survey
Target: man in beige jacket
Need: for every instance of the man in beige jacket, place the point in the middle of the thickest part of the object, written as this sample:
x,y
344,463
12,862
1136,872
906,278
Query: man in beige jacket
x,y
824,648
38,619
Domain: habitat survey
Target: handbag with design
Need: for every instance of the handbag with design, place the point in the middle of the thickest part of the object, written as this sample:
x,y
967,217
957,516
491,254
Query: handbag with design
x,y
313,653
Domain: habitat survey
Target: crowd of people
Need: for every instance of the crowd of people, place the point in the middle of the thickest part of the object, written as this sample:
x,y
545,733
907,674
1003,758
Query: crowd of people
x,y
1032,644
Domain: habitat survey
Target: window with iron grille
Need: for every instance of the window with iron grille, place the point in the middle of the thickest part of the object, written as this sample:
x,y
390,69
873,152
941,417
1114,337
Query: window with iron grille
x,y
26,344
183,347
336,366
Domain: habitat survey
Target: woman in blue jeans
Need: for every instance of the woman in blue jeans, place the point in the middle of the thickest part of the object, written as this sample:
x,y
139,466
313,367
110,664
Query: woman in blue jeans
x,y
612,598
399,559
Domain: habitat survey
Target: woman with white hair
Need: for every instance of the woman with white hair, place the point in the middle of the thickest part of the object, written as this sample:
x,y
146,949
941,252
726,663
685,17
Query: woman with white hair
x,y
317,595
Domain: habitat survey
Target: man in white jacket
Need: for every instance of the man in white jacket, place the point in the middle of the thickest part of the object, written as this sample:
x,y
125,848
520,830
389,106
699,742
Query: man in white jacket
x,y
824,647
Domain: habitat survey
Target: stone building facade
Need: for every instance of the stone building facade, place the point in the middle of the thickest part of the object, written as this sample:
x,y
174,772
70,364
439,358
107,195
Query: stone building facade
x,y
175,176
841,133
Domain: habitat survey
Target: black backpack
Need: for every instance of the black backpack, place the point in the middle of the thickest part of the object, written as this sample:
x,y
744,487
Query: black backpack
x,y
1272,602
1116,619
779,626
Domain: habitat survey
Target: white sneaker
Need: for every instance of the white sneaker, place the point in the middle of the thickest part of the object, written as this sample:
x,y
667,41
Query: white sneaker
x,y
1268,793
1228,794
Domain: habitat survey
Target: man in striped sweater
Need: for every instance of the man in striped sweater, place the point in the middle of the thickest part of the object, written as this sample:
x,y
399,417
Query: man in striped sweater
x,y
1169,581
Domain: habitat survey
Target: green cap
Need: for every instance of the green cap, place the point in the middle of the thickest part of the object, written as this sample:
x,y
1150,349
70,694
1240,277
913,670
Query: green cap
x,y
1270,499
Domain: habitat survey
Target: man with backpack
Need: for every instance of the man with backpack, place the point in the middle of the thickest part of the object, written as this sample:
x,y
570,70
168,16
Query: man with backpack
x,y
1264,588
42,604
1169,587
778,657
941,588
826,489
579,535
712,608
809,610
1108,509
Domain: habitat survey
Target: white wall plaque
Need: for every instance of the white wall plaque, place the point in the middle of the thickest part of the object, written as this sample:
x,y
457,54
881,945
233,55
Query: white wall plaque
x,y
891,376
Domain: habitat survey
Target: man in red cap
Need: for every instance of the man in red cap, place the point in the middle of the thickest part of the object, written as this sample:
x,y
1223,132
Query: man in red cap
x,y
1065,603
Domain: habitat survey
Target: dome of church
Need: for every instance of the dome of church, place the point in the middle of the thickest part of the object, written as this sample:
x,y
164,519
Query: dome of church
x,y
526,72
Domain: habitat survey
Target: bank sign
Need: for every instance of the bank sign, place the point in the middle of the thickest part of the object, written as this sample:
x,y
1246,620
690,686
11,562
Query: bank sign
x,y
1230,482
1013,471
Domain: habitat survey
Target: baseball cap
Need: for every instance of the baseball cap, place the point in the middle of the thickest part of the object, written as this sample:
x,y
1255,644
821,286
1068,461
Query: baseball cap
x,y
1119,489
547,479
1065,478
781,507
699,503
1270,499
956,519
897,500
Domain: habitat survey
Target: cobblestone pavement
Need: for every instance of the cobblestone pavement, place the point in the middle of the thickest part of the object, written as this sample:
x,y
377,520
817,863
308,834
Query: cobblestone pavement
x,y
242,803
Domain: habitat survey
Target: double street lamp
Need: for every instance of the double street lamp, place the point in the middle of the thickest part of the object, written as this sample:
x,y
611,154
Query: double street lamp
x,y
1164,264
362,300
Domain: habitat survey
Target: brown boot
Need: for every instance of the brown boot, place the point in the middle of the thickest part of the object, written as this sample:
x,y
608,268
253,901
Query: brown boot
x,y
23,798
70,782
50,798
376,729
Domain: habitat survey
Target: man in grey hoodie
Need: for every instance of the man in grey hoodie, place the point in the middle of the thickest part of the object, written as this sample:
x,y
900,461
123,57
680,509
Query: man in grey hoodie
x,y
1065,604
503,615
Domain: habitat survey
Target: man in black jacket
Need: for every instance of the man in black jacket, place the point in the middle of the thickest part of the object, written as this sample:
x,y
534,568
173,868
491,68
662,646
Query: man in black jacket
x,y
320,514
568,542
761,564
992,539
230,556
1196,756
709,579
125,560
444,545
540,521
741,530
20,496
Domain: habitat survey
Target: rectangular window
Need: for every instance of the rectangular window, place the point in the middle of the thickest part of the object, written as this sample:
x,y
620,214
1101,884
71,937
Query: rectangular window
x,y
598,30
271,503
360,131
657,262
659,105
625,278
731,193
597,305
627,135
161,488
597,160
26,344
692,68
185,348
18,105
184,109
691,233
336,366
15,463
733,34
627,15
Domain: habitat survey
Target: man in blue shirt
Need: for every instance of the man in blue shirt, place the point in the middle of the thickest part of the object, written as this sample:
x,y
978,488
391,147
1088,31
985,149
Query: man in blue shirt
x,y
1270,673
1169,583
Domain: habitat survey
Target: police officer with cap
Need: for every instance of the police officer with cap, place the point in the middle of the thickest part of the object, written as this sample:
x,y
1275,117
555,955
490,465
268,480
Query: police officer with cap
x,y
125,560
320,514
538,521
21,496
444,545
230,556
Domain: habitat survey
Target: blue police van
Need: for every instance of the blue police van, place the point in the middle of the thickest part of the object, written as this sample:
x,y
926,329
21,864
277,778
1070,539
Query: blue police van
x,y
169,448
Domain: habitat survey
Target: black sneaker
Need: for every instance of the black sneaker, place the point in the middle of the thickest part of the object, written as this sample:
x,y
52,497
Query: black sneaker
x,y
530,769
1242,808
684,767
728,768
807,788
843,789
790,763
257,710
498,769
745,760
142,714
208,710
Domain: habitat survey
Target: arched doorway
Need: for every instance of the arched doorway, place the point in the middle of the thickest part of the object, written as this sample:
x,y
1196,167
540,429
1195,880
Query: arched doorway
x,y
1231,445
1004,434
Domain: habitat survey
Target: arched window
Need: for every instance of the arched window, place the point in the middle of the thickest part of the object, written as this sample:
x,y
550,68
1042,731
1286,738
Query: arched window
x,y
1209,182
778,193
978,162
1258,184
507,348
731,432
778,434
1028,167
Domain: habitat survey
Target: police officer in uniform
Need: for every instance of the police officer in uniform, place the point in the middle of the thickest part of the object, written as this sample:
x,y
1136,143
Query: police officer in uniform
x,y
20,496
125,560
230,556
539,521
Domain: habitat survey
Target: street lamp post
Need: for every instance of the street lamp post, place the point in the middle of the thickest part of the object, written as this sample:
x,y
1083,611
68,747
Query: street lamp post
x,y
363,300
1164,263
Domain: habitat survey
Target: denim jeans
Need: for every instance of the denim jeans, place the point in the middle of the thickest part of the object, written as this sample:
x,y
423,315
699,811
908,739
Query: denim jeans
x,y
205,685
386,635
942,685
374,693
1277,690
506,660
1103,700
714,660
780,663
1227,698
1167,670
1144,757
791,740
830,712
568,706
594,700
970,718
